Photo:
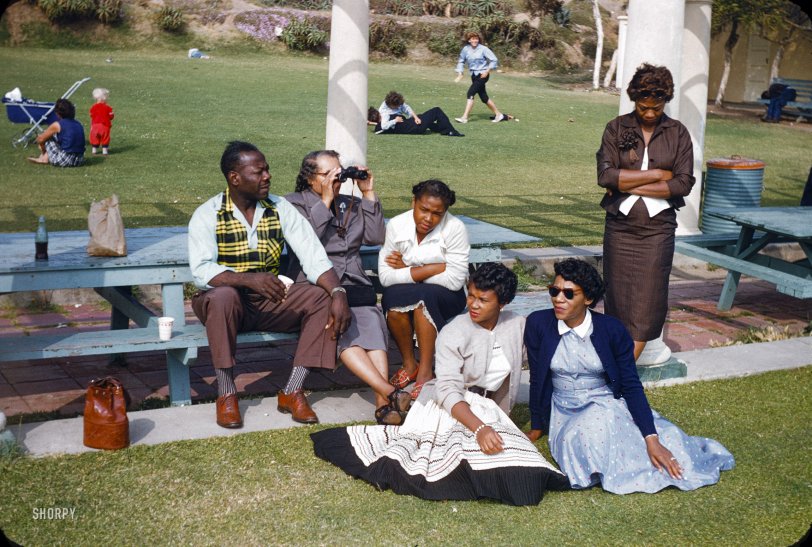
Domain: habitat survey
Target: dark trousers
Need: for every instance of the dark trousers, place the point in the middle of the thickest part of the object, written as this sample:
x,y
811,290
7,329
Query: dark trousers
x,y
433,119
806,198
478,87
227,310
779,102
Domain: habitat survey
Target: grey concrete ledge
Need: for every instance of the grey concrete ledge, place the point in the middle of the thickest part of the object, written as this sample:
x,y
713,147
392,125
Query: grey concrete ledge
x,y
148,427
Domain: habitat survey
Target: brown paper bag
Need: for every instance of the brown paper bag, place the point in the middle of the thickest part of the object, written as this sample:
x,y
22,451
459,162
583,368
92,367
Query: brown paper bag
x,y
106,229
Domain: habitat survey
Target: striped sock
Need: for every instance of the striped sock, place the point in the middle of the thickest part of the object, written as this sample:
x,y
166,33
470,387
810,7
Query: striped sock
x,y
296,380
225,381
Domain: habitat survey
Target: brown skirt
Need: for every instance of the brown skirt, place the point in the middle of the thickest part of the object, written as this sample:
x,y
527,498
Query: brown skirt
x,y
637,255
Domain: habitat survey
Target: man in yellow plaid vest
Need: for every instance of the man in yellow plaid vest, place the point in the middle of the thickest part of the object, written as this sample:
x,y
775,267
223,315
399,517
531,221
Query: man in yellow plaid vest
x,y
235,243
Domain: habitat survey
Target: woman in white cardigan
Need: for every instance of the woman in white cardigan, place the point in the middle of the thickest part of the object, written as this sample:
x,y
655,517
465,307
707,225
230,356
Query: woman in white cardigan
x,y
457,442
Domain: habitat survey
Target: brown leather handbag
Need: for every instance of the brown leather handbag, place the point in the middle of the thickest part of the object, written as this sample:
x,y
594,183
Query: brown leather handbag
x,y
106,423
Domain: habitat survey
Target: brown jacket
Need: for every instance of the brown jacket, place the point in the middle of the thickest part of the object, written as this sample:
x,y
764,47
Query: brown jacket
x,y
670,148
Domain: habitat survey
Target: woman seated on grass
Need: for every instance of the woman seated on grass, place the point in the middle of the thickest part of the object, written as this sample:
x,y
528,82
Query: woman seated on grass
x,y
422,266
457,442
585,390
62,144
396,117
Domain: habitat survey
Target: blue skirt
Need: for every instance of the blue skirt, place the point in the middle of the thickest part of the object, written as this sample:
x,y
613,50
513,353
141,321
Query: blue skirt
x,y
594,439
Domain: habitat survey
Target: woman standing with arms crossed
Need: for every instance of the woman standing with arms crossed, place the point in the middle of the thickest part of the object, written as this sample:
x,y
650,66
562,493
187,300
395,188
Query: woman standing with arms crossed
x,y
646,165
344,223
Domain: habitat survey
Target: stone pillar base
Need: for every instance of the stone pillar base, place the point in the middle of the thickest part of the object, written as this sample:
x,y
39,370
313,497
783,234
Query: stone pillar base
x,y
673,368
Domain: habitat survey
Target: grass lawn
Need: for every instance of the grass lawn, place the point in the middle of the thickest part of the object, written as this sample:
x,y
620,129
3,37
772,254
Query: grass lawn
x,y
268,488
174,115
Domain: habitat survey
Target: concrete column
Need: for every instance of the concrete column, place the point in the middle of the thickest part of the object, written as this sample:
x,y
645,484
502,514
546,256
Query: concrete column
x,y
654,36
622,30
347,86
694,101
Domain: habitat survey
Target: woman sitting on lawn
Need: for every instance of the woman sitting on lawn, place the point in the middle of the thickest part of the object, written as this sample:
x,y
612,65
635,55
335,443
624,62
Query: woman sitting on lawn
x,y
62,144
585,390
457,442
422,266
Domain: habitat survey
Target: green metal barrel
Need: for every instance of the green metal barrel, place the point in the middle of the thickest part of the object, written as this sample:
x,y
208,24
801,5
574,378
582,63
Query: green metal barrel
x,y
730,182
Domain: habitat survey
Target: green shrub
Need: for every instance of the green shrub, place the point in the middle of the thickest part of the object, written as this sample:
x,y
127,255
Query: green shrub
x,y
387,37
170,19
320,5
304,35
563,17
447,44
108,11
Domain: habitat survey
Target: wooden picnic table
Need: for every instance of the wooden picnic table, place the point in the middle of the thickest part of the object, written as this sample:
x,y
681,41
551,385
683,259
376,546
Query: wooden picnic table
x,y
739,253
156,256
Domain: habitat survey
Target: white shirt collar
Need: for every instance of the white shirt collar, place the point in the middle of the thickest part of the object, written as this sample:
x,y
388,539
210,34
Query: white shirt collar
x,y
581,330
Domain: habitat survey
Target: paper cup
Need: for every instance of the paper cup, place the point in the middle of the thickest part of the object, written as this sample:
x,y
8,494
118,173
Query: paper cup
x,y
165,327
286,280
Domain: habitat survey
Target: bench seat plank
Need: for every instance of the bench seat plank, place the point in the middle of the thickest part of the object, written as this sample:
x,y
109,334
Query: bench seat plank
x,y
785,281
105,342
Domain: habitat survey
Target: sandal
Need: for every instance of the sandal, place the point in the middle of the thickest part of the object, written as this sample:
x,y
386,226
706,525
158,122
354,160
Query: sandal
x,y
400,400
402,379
386,415
418,387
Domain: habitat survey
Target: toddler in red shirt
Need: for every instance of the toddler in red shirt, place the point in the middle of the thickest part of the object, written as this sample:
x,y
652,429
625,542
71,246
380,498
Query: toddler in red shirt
x,y
101,116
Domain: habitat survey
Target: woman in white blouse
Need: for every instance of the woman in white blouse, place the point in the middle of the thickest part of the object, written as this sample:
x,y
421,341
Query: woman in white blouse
x,y
423,267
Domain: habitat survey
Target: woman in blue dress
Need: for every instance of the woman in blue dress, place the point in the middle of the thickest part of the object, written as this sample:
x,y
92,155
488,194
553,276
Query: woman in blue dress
x,y
585,390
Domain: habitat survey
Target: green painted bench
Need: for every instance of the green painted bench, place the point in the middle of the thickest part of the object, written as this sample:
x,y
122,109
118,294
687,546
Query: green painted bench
x,y
801,107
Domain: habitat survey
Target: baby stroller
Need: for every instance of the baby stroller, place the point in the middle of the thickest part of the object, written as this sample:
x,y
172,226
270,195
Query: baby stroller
x,y
37,114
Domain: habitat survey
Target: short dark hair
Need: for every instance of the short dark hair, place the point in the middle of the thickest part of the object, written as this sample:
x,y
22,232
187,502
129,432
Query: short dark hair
x,y
309,166
65,109
435,188
373,115
471,33
584,275
495,276
651,78
231,155
393,99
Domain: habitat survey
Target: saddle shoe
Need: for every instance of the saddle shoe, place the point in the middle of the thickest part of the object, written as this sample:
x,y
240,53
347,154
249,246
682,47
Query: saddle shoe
x,y
297,406
228,411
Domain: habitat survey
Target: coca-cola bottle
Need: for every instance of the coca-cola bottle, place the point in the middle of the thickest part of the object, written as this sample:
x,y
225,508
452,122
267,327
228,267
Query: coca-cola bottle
x,y
41,241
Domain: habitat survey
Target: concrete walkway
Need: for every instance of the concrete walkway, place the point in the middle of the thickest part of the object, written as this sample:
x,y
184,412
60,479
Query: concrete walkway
x,y
148,427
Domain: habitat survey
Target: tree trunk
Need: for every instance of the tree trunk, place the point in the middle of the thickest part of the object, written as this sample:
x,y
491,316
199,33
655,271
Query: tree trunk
x,y
596,73
607,81
779,54
730,43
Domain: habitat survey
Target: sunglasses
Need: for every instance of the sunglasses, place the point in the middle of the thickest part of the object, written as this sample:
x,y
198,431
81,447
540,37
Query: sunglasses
x,y
569,294
657,94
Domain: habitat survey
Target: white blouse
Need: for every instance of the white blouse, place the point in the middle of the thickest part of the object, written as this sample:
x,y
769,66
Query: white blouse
x,y
653,205
498,369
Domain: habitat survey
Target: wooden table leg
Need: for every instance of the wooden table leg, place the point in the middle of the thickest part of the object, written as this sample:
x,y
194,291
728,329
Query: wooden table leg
x,y
178,361
732,279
